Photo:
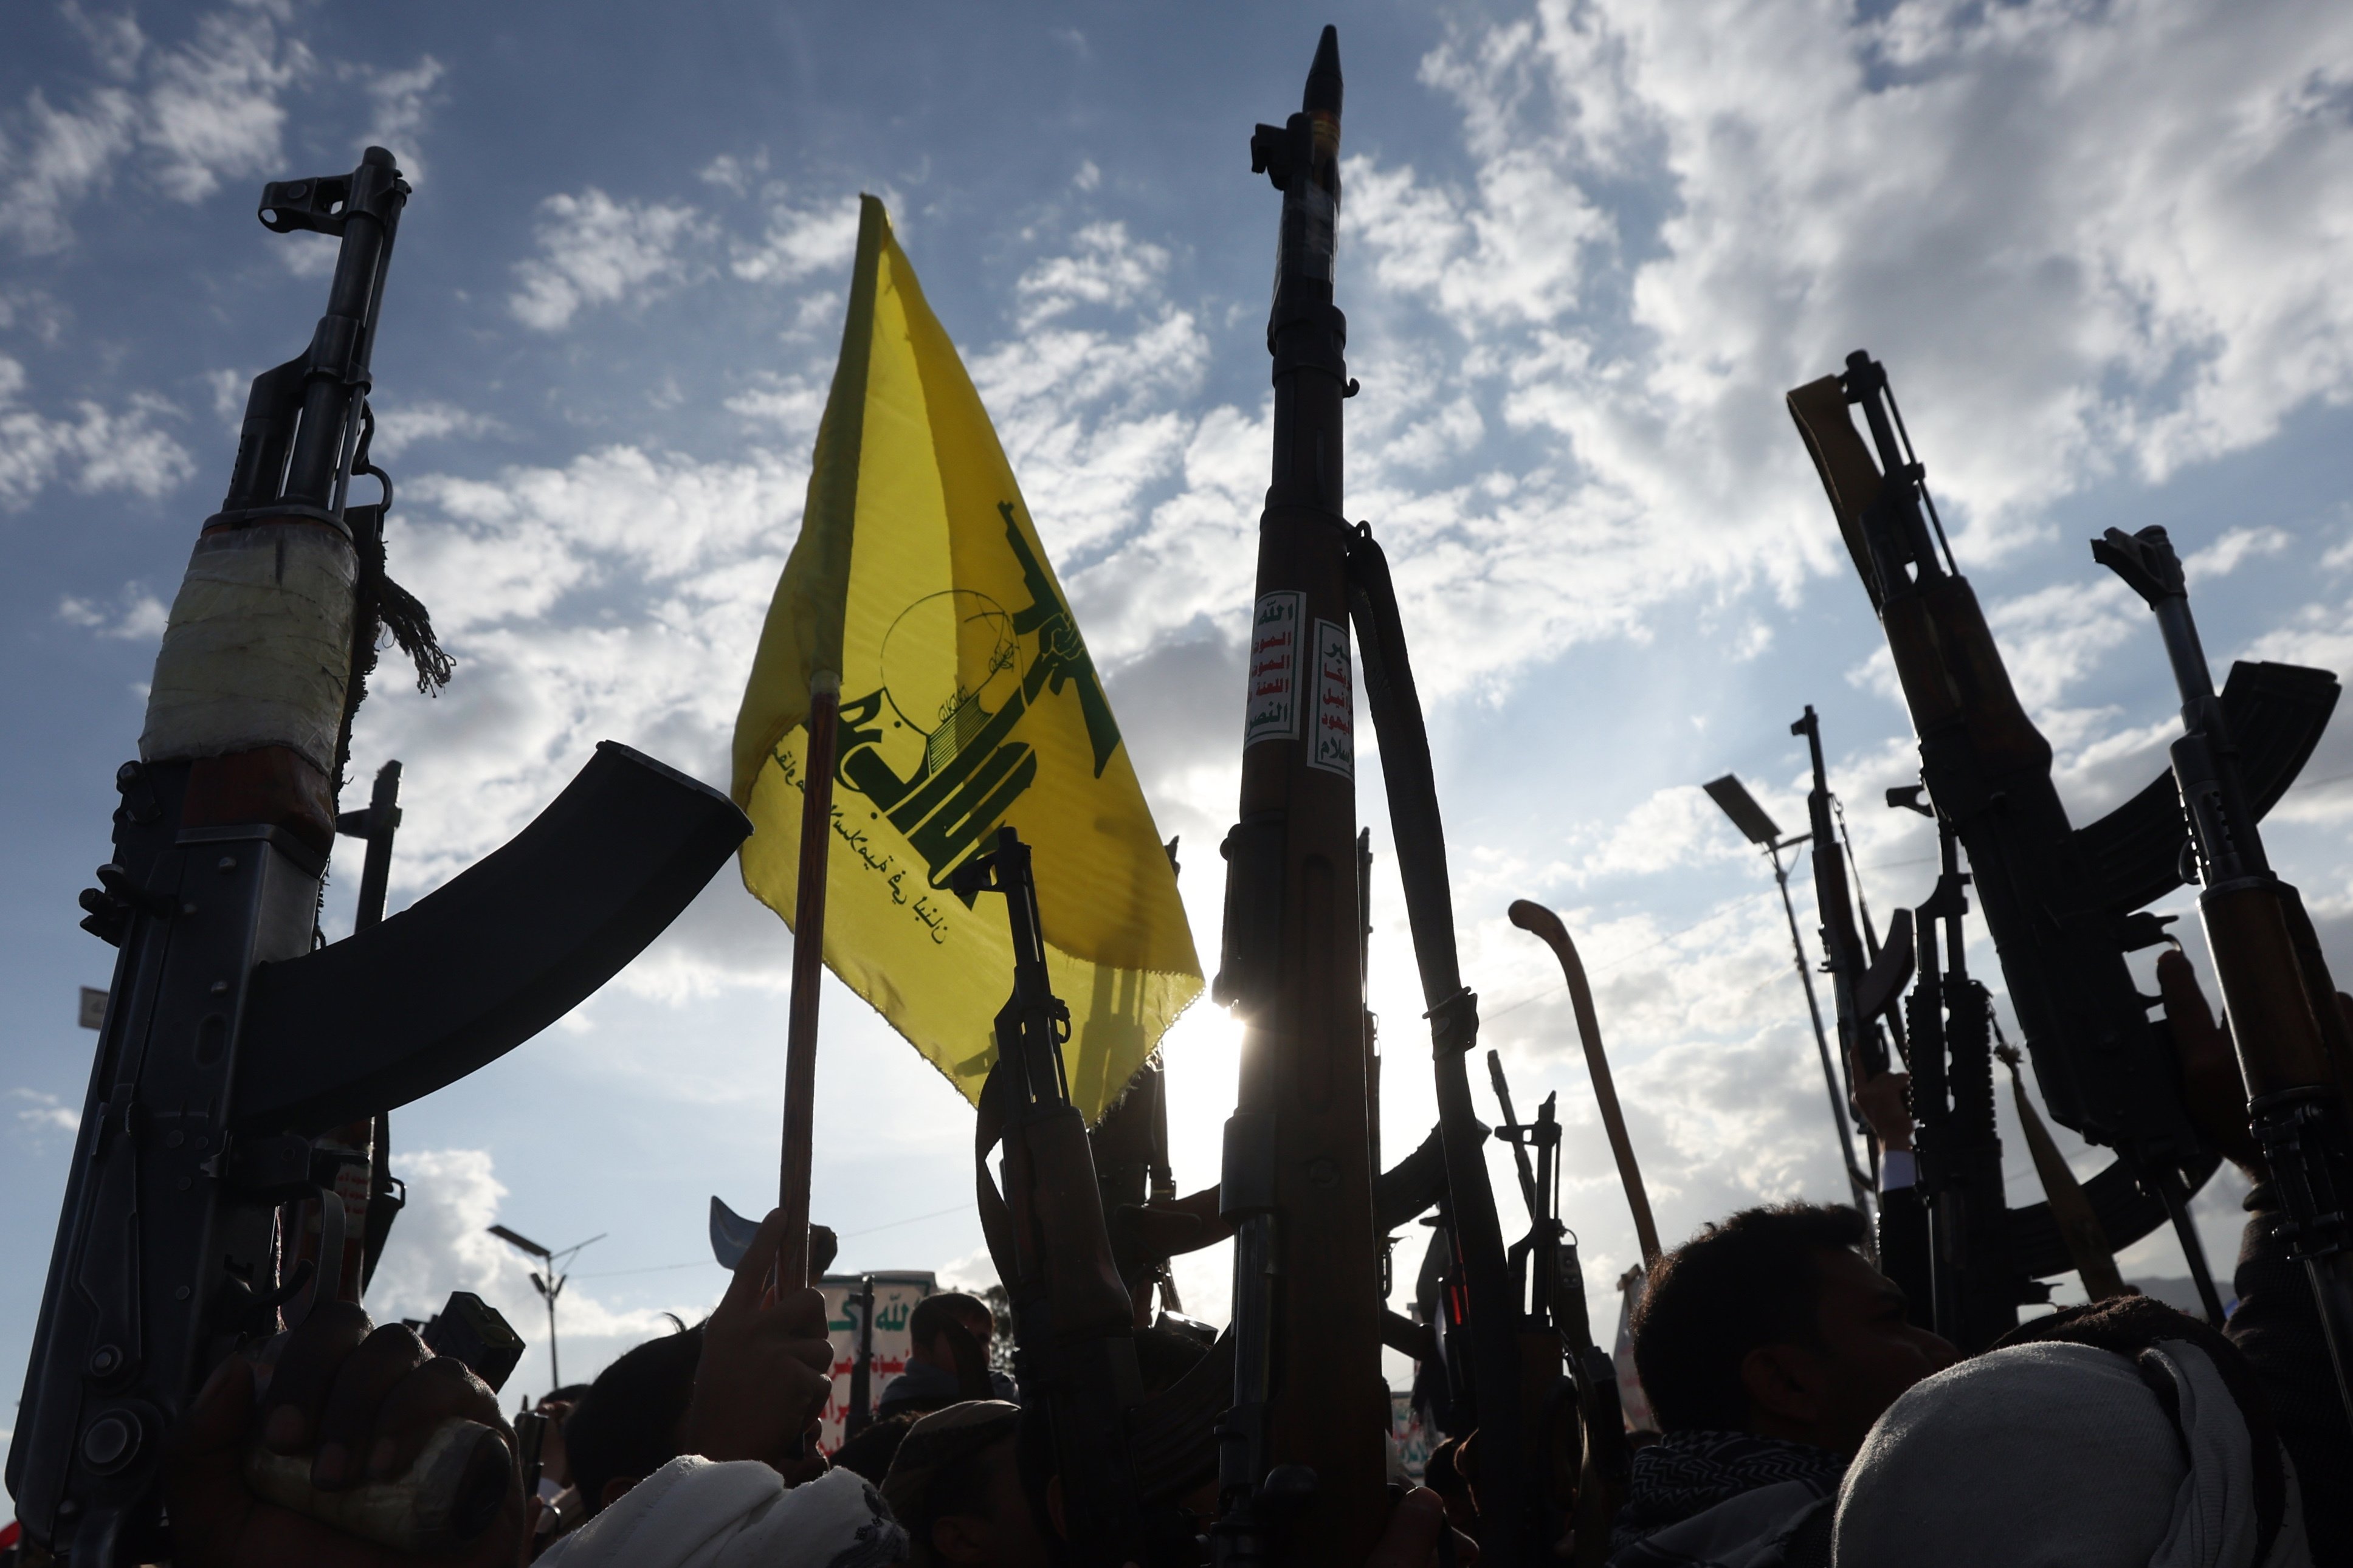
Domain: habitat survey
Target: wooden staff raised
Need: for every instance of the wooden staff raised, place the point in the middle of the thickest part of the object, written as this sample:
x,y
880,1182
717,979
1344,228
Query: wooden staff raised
x,y
1546,925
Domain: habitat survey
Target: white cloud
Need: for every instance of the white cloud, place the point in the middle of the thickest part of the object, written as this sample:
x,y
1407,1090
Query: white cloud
x,y
2086,242
1105,267
307,254
137,615
206,109
2233,550
441,1243
400,103
799,241
97,449
793,404
51,158
39,1114
213,109
595,251
400,426
730,173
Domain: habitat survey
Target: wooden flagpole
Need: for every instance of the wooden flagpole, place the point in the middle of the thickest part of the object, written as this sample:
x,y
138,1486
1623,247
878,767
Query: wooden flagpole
x,y
808,969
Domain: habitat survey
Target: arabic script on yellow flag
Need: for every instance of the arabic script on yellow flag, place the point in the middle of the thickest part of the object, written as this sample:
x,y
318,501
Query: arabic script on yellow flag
x,y
967,702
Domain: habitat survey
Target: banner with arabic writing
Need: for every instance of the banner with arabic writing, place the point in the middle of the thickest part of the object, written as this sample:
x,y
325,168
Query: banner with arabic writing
x,y
968,701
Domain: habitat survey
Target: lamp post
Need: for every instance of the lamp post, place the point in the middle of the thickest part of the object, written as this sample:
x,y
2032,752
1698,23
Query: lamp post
x,y
1760,829
549,1285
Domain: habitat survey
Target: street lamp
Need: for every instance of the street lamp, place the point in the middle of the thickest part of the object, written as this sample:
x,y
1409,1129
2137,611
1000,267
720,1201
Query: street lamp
x,y
549,1285
1761,830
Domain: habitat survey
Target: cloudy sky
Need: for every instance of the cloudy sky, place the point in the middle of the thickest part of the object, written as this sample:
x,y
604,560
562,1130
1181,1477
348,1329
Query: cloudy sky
x,y
1585,247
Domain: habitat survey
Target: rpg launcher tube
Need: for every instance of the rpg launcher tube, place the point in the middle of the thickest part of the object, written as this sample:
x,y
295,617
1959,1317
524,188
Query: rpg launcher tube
x,y
1301,1473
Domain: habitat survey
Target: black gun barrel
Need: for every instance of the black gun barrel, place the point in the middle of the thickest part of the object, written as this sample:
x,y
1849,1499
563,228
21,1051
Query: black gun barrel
x,y
303,418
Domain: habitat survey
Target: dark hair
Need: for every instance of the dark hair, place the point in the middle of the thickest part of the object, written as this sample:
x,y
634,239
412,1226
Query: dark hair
x,y
570,1394
628,1427
942,1308
870,1452
1748,1281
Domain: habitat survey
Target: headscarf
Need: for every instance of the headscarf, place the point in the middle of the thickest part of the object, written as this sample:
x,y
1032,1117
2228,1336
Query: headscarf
x,y
938,1442
2044,1454
1684,1474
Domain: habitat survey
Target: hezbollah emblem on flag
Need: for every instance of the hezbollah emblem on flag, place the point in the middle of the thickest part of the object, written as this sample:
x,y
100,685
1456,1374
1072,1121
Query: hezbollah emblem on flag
x,y
967,702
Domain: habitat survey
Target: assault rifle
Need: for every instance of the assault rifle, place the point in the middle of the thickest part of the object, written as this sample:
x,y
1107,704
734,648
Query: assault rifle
x,y
1577,1422
1074,1336
1848,950
233,1043
2294,1047
1976,1287
2061,904
1866,979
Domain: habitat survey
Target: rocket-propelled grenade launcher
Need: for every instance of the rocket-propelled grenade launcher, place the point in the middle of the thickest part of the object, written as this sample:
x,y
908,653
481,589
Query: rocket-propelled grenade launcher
x,y
1301,1472
2295,1049
2064,905
1300,1463
239,1057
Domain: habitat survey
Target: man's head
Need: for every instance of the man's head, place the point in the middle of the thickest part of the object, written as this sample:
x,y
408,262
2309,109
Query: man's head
x,y
929,1326
1770,1322
870,1452
955,1484
628,1427
554,1460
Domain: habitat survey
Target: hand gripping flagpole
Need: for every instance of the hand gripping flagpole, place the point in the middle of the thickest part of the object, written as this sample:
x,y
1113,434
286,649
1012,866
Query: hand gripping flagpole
x,y
808,970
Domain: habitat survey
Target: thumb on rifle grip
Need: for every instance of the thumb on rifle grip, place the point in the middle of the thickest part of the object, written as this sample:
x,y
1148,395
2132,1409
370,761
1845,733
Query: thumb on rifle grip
x,y
451,1495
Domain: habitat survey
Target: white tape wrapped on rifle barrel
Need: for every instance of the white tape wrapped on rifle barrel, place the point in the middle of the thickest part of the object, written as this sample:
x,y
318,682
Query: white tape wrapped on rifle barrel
x,y
257,651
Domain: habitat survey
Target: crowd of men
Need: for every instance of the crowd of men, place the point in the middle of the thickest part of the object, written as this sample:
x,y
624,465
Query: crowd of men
x,y
1805,1416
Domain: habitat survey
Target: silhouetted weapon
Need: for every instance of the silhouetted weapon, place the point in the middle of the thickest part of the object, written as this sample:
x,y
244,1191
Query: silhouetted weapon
x,y
1862,1041
2295,1049
1507,1471
1732,798
1977,1287
2061,903
1575,1422
1074,1335
233,1042
1303,1461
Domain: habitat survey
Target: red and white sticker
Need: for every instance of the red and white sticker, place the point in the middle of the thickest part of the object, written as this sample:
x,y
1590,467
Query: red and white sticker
x,y
1332,729
1272,712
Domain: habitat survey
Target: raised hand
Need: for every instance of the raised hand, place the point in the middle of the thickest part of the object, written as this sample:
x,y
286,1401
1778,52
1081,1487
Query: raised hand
x,y
361,1403
766,1370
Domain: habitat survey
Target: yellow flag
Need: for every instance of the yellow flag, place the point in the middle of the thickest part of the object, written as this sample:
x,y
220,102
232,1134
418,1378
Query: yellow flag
x,y
967,702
